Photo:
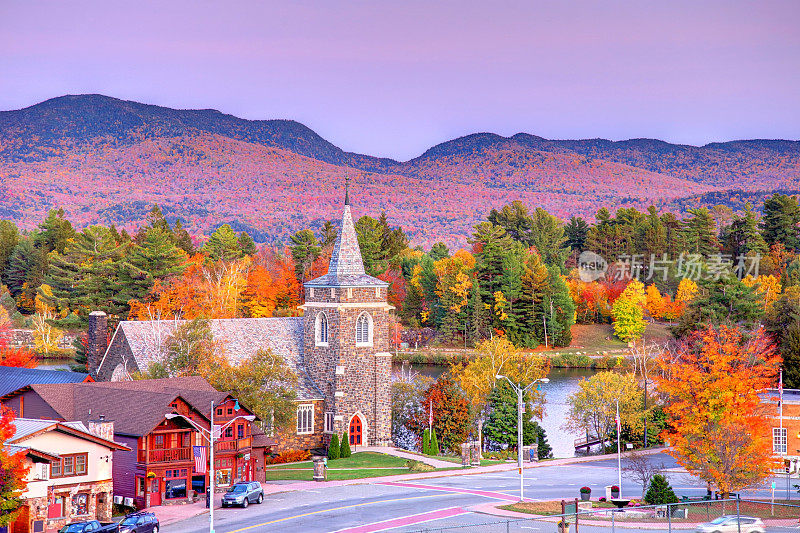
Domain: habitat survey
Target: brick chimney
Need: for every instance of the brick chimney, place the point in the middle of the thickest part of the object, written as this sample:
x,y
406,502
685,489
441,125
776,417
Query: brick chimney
x,y
97,340
102,428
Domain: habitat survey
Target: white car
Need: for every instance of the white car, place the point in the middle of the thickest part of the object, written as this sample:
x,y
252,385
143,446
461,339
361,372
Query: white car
x,y
725,524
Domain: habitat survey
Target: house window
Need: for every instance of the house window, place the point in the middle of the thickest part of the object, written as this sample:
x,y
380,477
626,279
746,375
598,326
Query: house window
x,y
364,330
305,419
229,432
779,440
70,465
328,422
175,483
321,329
80,504
230,410
240,431
219,412
158,441
187,439
140,486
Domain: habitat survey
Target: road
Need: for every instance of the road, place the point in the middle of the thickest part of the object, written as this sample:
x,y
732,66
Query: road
x,y
433,503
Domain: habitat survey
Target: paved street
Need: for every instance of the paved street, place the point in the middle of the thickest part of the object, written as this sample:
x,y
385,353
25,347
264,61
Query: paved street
x,y
431,503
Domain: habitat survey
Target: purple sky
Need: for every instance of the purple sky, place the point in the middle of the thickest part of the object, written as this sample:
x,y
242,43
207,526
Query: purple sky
x,y
393,78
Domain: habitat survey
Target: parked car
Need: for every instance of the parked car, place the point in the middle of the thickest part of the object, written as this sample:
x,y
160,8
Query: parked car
x,y
89,526
243,494
732,523
141,522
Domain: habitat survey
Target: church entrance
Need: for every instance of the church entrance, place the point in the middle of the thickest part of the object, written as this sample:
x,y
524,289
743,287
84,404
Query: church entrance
x,y
355,431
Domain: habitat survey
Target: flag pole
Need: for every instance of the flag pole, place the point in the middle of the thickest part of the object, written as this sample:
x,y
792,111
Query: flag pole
x,y
619,453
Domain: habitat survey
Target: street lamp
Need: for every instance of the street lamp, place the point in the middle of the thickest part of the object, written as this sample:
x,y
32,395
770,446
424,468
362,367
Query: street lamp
x,y
209,436
521,391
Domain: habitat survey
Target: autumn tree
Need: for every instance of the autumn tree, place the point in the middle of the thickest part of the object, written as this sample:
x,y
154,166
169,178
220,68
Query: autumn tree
x,y
451,414
654,302
45,335
13,471
263,382
726,300
628,312
260,294
593,407
452,288
719,428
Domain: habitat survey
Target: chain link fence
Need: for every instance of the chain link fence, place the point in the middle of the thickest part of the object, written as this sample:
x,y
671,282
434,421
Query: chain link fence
x,y
713,516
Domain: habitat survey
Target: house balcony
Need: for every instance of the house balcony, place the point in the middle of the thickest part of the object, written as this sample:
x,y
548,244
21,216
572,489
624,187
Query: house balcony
x,y
165,455
233,445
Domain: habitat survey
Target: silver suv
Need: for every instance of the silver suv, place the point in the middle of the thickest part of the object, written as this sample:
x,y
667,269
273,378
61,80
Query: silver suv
x,y
243,494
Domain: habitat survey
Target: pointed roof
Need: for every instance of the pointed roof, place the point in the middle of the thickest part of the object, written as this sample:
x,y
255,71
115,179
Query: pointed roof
x,y
346,268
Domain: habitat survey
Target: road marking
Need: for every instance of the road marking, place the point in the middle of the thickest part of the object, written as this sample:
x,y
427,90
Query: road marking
x,y
330,510
487,494
405,521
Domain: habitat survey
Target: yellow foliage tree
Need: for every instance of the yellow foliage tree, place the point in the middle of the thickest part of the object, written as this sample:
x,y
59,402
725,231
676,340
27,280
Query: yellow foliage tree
x,y
769,286
687,290
628,312
45,336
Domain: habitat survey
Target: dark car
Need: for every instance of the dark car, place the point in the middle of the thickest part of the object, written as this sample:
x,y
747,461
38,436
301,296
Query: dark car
x,y
139,523
243,494
89,526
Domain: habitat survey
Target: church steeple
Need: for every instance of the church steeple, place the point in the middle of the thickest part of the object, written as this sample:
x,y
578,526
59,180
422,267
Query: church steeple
x,y
346,267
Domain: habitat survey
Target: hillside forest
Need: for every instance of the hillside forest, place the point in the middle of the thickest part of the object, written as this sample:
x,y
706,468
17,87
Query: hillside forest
x,y
521,275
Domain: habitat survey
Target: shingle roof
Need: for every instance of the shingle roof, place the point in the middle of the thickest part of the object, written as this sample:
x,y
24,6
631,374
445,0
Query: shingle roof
x,y
27,427
346,268
13,378
241,338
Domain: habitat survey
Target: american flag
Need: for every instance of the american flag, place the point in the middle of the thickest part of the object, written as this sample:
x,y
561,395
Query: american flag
x,y
200,460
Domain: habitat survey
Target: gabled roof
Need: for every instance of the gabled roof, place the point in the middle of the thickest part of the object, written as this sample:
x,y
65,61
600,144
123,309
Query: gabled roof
x,y
14,378
134,412
346,268
27,428
241,338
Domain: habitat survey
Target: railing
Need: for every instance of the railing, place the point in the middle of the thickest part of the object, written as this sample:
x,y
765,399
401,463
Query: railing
x,y
165,455
232,445
586,442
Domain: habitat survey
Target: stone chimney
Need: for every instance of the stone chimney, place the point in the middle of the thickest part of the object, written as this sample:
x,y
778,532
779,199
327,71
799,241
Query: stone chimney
x,y
97,340
102,428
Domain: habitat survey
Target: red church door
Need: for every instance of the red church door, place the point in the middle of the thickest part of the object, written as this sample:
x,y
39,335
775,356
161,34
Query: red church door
x,y
355,431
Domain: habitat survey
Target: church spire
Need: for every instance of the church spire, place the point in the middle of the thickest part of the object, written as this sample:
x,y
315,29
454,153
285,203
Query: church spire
x,y
347,190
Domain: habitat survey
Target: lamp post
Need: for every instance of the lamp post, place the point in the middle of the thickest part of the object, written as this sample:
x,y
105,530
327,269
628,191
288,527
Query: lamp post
x,y
521,391
209,436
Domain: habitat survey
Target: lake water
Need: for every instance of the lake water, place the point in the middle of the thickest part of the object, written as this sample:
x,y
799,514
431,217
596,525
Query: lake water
x,y
563,382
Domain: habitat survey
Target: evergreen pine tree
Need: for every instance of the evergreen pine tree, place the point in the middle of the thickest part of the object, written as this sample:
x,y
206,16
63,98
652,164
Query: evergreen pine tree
x,y
576,231
480,321
344,447
426,442
246,244
157,257
155,219
54,232
9,239
183,240
80,363
333,447
328,233
781,220
223,244
26,267
700,232
723,301
434,445
305,250
660,492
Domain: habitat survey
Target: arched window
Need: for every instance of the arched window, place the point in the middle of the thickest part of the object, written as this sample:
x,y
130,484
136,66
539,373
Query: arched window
x,y
321,329
364,330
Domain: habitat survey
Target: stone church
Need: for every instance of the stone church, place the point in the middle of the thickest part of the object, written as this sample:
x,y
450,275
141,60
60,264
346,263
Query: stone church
x,y
339,350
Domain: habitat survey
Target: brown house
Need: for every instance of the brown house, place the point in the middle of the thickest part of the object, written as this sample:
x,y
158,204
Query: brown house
x,y
160,466
339,349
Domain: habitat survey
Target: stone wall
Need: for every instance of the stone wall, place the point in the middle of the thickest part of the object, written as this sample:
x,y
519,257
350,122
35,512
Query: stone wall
x,y
99,504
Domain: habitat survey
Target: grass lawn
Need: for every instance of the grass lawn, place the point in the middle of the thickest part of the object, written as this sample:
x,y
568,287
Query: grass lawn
x,y
548,508
457,460
357,466
594,339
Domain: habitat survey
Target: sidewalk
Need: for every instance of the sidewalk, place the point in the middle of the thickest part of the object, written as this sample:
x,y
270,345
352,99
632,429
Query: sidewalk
x,y
169,514
388,450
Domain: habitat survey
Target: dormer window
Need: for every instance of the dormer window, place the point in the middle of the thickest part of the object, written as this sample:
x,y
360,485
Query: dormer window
x,y
321,329
311,292
364,330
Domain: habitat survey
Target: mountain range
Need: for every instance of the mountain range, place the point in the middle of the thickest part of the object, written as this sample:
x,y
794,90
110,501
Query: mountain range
x,y
106,160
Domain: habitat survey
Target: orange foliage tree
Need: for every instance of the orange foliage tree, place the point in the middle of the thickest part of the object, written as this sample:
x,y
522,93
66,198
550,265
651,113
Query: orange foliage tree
x,y
19,357
719,429
12,470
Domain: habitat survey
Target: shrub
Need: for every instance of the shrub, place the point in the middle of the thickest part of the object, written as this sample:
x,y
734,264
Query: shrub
x,y
426,442
434,445
660,492
291,456
344,448
586,490
418,466
333,447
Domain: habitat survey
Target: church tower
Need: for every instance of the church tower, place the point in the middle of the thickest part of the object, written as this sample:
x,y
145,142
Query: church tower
x,y
346,342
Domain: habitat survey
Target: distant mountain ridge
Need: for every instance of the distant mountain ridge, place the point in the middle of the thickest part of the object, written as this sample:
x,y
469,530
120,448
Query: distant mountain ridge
x,y
77,150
